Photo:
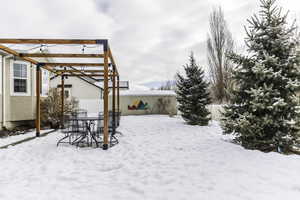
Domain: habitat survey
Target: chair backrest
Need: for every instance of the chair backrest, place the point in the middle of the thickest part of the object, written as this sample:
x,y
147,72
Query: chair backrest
x,y
100,125
78,126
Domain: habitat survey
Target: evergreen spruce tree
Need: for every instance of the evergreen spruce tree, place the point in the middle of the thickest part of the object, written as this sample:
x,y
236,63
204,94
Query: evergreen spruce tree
x,y
265,109
192,94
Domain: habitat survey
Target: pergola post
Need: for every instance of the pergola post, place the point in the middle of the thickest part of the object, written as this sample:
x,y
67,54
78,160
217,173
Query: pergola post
x,y
38,100
114,101
105,103
70,69
118,94
62,100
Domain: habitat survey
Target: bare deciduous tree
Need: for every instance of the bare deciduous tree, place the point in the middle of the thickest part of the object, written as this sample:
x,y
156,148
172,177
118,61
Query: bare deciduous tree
x,y
169,85
51,108
219,42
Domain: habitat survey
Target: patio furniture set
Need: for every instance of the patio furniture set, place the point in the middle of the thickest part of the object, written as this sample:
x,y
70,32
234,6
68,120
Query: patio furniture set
x,y
81,130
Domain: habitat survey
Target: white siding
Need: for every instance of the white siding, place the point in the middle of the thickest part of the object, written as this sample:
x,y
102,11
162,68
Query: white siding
x,y
88,95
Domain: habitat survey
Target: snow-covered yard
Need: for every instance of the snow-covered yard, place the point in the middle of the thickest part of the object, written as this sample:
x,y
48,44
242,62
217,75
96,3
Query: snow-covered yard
x,y
158,158
11,139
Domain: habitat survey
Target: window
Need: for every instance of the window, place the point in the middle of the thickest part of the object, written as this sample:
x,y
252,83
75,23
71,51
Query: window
x,y
20,78
67,94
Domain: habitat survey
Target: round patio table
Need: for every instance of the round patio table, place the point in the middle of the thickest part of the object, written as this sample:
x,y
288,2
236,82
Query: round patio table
x,y
88,122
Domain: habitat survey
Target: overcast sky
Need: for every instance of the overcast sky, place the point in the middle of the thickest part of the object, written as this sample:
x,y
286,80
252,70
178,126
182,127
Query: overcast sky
x,y
150,39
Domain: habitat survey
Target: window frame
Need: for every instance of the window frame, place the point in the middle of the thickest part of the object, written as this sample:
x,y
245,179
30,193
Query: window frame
x,y
12,78
69,91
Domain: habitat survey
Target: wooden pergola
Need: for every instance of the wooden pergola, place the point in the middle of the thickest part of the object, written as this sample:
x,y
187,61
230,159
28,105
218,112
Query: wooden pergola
x,y
106,69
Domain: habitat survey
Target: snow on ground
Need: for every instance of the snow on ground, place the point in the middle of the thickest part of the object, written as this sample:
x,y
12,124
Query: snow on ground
x,y
158,158
11,139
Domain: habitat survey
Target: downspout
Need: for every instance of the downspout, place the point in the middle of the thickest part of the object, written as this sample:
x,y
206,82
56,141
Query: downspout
x,y
4,89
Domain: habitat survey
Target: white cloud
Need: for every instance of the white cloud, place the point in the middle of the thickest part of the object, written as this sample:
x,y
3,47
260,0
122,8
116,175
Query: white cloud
x,y
150,39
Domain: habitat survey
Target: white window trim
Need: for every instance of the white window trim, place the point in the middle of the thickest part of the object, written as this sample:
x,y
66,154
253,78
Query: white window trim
x,y
28,83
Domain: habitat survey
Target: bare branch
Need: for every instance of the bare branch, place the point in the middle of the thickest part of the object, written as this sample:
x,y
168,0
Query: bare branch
x,y
219,43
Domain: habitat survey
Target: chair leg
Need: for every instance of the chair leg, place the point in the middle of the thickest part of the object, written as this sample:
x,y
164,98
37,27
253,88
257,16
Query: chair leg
x,y
60,141
75,140
94,138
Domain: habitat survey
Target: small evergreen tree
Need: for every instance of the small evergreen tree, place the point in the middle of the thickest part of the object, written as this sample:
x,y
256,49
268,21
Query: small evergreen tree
x,y
192,94
265,110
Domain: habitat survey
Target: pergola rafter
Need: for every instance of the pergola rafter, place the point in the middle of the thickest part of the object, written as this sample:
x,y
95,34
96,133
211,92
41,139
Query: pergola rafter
x,y
61,55
15,53
107,69
50,64
85,74
84,70
54,41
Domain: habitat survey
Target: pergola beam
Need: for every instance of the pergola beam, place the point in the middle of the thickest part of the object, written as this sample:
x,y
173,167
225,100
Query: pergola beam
x,y
72,64
106,73
112,61
86,70
53,41
60,55
15,53
88,75
79,67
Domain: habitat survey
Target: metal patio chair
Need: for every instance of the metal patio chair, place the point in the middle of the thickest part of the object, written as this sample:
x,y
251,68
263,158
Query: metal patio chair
x,y
67,130
98,128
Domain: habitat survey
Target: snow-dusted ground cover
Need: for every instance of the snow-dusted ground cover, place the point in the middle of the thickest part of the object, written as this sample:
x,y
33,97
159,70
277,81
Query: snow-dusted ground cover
x,y
158,158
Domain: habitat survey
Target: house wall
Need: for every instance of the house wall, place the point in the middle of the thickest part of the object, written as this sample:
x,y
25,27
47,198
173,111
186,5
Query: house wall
x,y
152,102
87,94
21,108
18,109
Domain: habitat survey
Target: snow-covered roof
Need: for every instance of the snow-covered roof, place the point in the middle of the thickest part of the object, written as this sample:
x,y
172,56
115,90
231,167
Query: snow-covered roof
x,y
122,84
138,87
147,93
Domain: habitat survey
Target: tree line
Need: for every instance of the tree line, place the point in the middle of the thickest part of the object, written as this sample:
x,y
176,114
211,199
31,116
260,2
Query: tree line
x,y
259,89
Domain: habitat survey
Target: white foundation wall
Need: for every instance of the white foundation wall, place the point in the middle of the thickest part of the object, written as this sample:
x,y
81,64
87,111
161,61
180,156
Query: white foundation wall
x,y
152,105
